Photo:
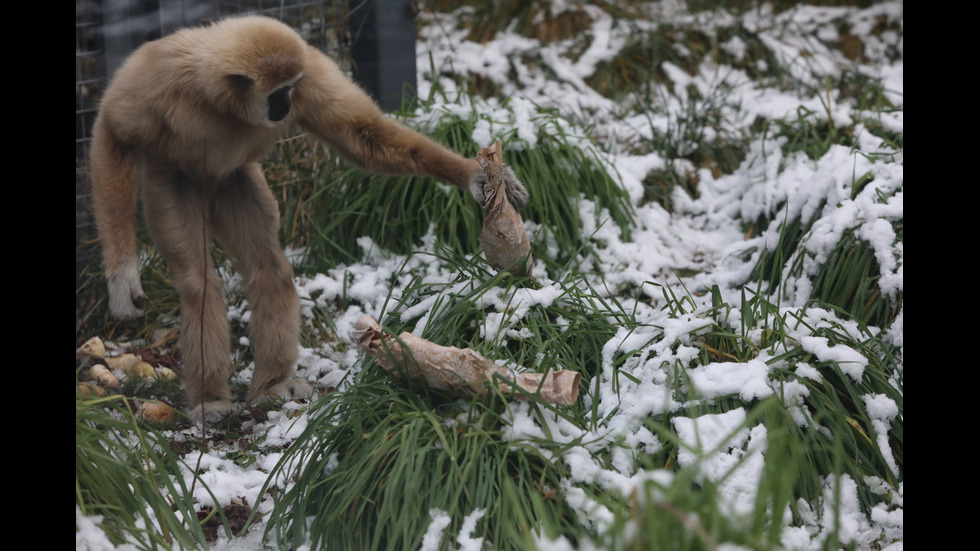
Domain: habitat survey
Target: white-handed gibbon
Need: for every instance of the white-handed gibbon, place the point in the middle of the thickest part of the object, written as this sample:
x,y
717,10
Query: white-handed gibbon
x,y
189,116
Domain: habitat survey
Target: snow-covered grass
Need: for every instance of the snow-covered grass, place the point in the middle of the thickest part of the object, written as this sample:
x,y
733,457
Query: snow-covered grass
x,y
731,289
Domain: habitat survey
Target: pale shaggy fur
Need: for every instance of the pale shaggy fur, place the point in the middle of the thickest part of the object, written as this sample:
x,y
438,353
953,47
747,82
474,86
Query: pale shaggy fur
x,y
189,116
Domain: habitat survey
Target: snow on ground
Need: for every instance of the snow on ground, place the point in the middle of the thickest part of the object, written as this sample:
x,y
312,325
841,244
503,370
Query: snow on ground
x,y
702,234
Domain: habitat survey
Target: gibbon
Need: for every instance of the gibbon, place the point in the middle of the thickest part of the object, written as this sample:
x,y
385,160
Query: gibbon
x,y
189,116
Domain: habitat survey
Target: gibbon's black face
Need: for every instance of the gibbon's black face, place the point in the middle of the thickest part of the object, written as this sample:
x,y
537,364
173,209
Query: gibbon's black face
x,y
279,103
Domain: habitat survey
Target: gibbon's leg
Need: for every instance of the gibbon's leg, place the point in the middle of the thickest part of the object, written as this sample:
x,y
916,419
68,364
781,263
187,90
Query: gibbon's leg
x,y
175,210
245,219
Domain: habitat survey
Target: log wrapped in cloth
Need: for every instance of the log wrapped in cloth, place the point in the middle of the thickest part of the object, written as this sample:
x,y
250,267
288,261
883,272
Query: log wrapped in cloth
x,y
459,371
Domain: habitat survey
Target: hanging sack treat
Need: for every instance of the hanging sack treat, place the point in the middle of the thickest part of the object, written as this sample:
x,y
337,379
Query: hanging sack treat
x,y
504,238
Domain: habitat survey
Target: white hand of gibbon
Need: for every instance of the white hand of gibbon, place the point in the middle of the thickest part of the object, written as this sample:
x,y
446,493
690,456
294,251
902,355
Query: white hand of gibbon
x,y
516,192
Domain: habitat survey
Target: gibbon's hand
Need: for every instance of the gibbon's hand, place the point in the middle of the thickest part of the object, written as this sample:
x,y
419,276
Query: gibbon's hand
x,y
516,192
125,296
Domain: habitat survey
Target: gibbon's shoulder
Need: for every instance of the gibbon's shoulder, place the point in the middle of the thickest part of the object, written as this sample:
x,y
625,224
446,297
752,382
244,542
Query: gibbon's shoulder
x,y
230,43
248,31
180,80
259,47
241,29
196,59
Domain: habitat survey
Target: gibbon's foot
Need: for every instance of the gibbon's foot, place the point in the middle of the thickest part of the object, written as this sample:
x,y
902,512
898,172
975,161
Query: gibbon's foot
x,y
289,389
213,410
516,192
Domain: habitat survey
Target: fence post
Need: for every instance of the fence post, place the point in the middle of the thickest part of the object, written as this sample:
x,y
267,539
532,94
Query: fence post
x,y
383,50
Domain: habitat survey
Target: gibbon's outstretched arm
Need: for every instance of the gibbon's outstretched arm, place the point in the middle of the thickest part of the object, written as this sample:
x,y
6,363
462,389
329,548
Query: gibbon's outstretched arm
x,y
340,114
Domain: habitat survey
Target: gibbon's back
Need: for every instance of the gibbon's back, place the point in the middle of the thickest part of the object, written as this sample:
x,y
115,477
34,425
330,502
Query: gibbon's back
x,y
182,95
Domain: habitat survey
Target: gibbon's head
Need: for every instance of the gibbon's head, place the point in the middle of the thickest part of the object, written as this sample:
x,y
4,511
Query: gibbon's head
x,y
259,60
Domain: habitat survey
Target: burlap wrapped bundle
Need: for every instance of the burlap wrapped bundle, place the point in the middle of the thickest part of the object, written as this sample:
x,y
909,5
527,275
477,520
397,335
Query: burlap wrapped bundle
x,y
460,371
504,237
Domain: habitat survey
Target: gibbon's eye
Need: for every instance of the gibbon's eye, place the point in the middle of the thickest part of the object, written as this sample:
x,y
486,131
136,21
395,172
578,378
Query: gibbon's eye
x,y
279,104
240,82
